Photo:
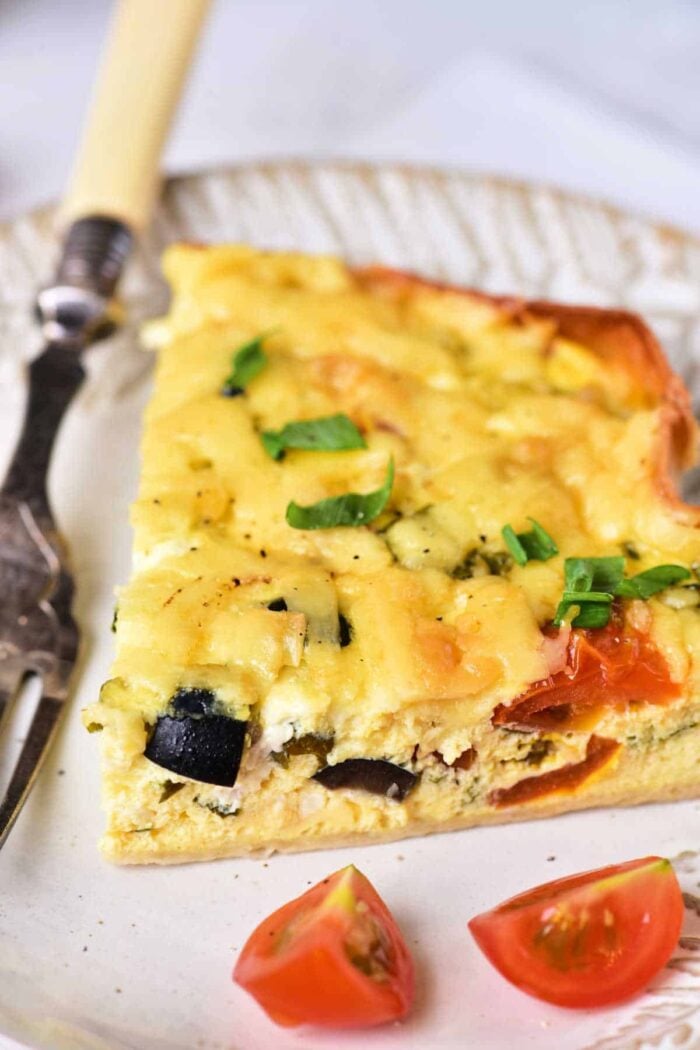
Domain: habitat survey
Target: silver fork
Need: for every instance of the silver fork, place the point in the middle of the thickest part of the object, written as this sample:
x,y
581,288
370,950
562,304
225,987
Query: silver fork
x,y
116,175
38,635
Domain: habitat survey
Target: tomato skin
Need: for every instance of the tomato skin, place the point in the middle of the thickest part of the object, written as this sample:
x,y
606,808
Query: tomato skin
x,y
587,940
609,666
305,964
599,753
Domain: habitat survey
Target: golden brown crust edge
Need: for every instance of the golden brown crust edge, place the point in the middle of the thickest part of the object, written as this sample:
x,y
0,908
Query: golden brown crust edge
x,y
614,335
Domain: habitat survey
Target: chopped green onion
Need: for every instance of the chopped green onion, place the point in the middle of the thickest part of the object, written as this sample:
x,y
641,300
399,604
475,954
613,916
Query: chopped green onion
x,y
645,584
352,508
591,584
592,605
578,597
325,434
538,543
597,614
535,545
593,574
512,542
247,362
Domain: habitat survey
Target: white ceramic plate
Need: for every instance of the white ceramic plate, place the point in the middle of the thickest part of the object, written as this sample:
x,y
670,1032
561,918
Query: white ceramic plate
x,y
98,957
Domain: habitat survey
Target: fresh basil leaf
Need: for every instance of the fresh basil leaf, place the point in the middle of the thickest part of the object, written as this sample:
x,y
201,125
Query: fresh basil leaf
x,y
535,545
352,508
325,434
593,574
645,584
273,443
247,362
512,542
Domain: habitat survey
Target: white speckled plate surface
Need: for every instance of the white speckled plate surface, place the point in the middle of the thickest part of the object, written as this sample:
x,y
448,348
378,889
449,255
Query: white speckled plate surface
x,y
99,957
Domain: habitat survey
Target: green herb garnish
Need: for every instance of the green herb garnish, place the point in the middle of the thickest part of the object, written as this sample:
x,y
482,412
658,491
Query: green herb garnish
x,y
591,584
325,434
579,597
512,542
592,615
593,574
482,562
645,584
247,362
352,508
535,545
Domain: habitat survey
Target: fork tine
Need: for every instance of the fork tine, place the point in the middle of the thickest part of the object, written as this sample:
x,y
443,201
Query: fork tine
x,y
9,691
6,697
34,750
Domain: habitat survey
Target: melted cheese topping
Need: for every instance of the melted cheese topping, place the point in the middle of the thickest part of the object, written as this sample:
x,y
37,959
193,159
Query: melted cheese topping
x,y
488,422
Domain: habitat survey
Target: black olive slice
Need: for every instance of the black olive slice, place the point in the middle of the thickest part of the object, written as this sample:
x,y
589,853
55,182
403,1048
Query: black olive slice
x,y
278,605
375,775
195,743
170,788
193,702
344,631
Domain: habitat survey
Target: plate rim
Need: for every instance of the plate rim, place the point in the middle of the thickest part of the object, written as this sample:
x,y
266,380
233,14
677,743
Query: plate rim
x,y
409,169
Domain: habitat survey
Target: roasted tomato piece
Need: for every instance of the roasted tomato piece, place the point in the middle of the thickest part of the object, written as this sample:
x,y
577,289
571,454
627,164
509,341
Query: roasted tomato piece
x,y
333,957
612,665
599,752
587,940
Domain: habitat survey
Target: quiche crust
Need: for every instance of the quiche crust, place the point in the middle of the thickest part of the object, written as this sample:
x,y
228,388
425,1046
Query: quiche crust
x,y
368,667
667,775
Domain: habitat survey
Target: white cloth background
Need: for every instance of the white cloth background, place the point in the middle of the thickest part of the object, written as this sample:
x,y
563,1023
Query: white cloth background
x,y
600,97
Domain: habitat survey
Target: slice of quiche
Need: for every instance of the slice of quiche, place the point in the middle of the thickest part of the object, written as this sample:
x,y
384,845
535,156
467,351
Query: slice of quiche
x,y
408,558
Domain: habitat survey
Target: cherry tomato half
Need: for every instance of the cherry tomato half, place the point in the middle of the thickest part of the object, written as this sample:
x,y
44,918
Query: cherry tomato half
x,y
333,957
590,939
608,667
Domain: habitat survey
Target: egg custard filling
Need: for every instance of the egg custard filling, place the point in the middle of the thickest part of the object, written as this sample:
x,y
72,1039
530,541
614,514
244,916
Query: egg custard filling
x,y
407,558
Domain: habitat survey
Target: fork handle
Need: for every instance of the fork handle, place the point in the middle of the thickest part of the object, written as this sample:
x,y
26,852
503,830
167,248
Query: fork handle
x,y
149,48
54,377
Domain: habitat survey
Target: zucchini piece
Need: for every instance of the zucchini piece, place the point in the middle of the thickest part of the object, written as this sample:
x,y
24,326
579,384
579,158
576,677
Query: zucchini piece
x,y
421,542
307,744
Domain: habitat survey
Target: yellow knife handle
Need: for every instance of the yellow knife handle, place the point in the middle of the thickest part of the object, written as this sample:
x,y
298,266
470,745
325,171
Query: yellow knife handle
x,y
148,53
